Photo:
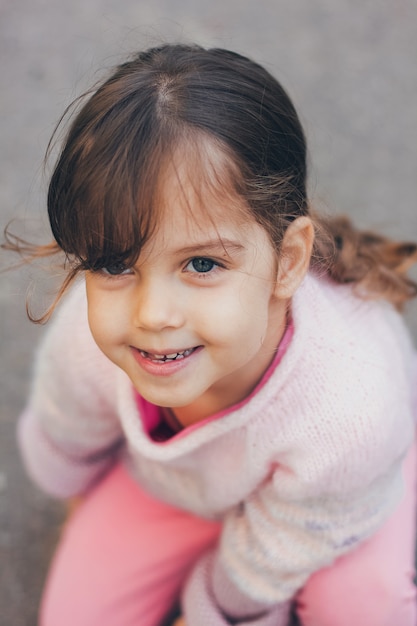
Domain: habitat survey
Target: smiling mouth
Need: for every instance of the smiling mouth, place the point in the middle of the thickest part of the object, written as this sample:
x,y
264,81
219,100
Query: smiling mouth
x,y
163,358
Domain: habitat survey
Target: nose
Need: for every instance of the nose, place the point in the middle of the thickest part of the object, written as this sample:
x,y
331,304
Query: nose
x,y
157,306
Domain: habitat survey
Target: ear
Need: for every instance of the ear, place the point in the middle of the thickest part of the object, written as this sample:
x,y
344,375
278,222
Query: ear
x,y
294,258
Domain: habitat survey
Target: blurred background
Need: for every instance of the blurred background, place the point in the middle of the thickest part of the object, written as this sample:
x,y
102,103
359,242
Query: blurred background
x,y
350,67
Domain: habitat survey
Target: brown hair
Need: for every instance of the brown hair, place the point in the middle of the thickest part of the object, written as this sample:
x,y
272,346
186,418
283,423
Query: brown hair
x,y
101,199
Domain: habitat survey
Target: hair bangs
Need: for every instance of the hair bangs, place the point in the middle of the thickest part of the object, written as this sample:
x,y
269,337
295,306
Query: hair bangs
x,y
102,196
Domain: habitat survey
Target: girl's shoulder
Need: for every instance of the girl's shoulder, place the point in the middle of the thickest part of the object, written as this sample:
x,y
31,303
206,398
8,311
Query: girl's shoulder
x,y
68,354
352,368
67,334
357,346
339,315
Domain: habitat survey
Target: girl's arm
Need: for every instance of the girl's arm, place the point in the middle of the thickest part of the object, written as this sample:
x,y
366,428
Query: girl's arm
x,y
270,547
69,434
210,598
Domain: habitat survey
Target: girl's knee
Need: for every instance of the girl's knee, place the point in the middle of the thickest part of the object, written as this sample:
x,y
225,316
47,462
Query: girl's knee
x,y
371,598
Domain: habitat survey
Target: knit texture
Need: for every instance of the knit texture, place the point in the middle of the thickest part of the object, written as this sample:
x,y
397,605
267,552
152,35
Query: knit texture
x,y
301,473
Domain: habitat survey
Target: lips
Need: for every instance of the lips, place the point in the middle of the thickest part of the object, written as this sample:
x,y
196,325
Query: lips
x,y
165,364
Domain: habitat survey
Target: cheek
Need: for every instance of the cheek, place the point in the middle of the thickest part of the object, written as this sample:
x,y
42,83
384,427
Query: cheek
x,y
97,327
258,316
239,315
252,301
104,321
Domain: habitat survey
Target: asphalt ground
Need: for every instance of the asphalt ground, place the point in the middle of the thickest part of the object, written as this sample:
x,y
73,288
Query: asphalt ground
x,y
350,66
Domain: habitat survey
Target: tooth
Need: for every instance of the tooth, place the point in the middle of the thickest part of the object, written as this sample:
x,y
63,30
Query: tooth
x,y
157,358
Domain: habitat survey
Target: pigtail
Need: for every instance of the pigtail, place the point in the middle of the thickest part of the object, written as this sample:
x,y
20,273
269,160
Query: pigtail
x,y
375,264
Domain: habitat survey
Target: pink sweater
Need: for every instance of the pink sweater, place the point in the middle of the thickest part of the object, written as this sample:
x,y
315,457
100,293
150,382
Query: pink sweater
x,y
301,472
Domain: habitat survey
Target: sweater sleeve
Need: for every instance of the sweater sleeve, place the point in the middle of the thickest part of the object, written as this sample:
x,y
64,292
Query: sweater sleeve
x,y
273,546
211,599
269,548
69,434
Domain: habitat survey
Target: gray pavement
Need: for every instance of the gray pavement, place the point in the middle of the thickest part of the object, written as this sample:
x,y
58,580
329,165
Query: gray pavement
x,y
350,67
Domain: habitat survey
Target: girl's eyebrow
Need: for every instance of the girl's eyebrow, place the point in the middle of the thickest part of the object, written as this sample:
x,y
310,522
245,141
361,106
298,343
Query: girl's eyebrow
x,y
213,245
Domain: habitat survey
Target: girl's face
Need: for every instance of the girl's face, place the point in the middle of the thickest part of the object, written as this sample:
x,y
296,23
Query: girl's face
x,y
195,322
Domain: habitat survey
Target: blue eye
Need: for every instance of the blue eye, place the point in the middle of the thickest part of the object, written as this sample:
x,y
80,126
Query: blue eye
x,y
201,265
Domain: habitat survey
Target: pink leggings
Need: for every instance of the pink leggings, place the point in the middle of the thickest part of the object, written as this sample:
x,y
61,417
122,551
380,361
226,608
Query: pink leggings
x,y
124,556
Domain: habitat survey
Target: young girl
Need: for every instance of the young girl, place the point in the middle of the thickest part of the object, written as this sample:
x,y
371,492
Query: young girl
x,y
229,386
